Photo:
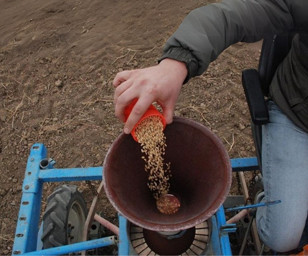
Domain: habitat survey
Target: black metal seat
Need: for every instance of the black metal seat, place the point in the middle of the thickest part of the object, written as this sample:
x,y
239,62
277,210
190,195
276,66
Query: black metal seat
x,y
256,83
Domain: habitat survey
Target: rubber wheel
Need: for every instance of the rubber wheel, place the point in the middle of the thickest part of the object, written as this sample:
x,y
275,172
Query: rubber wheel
x,y
64,217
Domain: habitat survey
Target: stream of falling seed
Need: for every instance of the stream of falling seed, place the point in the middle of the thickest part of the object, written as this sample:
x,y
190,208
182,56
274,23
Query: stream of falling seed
x,y
150,135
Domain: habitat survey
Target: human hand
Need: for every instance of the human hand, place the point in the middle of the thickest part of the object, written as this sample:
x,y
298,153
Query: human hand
x,y
161,83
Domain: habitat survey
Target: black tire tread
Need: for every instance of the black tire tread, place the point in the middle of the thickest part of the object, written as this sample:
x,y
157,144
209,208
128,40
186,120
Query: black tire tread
x,y
55,217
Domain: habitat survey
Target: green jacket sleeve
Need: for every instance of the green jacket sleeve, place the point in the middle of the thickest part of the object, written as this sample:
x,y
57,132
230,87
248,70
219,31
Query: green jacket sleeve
x,y
207,31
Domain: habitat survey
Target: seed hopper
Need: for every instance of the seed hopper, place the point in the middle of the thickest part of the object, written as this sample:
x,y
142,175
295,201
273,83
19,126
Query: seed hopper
x,y
208,222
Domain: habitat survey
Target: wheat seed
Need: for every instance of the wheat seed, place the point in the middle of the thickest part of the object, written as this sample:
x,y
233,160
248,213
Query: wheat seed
x,y
150,135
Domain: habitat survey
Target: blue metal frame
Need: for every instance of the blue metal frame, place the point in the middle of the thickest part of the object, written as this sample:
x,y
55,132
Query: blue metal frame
x,y
224,229
28,219
27,229
244,164
77,247
123,247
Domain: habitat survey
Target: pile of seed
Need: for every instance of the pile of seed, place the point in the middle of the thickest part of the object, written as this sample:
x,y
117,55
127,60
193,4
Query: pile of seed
x,y
150,135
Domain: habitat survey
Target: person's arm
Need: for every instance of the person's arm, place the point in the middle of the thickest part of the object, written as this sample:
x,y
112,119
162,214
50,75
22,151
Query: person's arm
x,y
201,37
208,30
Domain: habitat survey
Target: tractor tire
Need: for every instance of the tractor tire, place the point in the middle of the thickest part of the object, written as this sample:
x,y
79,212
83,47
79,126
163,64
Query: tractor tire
x,y
64,217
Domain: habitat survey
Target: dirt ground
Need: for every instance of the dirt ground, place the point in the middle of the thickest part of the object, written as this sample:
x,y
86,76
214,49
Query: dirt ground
x,y
57,63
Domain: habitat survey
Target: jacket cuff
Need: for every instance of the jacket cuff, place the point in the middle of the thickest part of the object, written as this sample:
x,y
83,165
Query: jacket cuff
x,y
183,55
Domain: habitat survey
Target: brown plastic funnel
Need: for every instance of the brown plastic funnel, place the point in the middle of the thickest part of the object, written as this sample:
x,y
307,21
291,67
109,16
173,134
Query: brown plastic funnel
x,y
201,177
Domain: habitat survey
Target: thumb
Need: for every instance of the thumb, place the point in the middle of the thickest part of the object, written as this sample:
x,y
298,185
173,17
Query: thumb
x,y
168,114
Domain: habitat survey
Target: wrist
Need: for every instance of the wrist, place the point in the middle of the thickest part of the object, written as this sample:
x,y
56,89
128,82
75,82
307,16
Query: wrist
x,y
176,67
185,56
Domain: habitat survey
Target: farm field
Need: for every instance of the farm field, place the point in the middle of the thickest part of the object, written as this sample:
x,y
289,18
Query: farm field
x,y
57,63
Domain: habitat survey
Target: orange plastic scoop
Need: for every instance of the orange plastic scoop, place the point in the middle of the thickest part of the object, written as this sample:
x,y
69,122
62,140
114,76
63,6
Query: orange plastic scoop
x,y
152,111
168,204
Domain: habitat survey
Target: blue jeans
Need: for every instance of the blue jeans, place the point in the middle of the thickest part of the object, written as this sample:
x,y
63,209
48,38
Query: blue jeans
x,y
285,178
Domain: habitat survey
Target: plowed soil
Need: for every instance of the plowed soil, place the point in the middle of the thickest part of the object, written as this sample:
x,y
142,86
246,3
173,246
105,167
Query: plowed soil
x,y
57,63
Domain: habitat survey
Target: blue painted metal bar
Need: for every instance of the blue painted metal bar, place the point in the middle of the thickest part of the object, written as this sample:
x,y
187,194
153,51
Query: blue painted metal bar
x,y
250,206
39,242
215,241
223,234
77,247
123,247
244,164
71,174
29,213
